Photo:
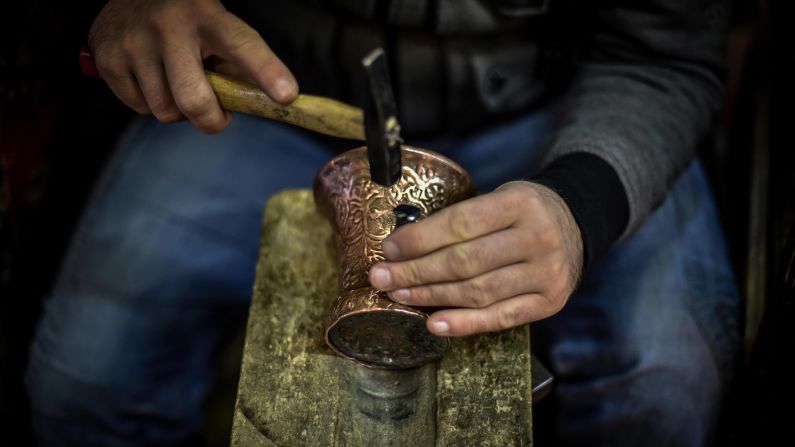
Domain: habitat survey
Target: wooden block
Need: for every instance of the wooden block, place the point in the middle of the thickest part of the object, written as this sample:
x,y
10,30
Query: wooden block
x,y
295,391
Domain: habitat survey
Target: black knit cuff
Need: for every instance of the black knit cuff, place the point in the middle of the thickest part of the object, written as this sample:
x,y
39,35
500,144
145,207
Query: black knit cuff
x,y
593,192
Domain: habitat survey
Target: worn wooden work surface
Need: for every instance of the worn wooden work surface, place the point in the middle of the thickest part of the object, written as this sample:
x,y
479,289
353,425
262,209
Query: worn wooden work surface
x,y
293,389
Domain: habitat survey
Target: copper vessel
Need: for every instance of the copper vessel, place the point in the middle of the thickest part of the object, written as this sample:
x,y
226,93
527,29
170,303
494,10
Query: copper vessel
x,y
364,324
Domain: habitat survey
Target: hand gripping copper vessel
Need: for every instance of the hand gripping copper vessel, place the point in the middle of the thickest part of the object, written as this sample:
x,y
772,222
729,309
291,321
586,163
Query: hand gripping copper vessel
x,y
364,324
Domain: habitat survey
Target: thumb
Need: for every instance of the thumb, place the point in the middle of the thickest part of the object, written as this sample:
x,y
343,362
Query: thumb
x,y
234,41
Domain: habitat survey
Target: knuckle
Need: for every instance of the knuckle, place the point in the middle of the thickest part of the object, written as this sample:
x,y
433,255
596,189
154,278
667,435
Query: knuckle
x,y
440,295
511,316
463,223
102,49
473,322
406,274
558,271
481,322
118,79
548,236
514,197
216,21
477,293
196,105
528,199
204,12
502,319
130,45
461,263
422,295
510,205
112,69
164,17
159,23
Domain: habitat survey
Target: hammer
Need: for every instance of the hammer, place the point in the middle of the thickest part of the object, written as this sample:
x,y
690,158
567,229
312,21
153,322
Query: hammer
x,y
315,113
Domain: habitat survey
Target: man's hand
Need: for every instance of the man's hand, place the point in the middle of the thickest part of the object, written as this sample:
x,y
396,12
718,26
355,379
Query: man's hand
x,y
499,260
150,53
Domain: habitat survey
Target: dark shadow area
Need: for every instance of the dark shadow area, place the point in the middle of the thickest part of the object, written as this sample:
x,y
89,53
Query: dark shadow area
x,y
764,392
56,129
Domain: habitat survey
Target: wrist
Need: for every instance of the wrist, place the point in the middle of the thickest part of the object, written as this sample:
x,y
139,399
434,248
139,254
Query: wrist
x,y
595,197
570,232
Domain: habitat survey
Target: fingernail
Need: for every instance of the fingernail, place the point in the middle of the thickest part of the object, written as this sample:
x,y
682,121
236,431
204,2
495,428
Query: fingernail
x,y
285,89
381,278
390,249
440,327
400,294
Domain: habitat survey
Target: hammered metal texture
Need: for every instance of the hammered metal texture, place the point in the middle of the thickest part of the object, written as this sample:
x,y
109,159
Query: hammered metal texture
x,y
364,324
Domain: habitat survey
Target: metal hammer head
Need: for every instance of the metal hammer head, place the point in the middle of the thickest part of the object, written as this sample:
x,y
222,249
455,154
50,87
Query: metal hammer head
x,y
381,127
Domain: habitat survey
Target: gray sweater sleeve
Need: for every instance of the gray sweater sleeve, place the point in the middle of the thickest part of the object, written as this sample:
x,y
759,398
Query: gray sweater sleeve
x,y
646,91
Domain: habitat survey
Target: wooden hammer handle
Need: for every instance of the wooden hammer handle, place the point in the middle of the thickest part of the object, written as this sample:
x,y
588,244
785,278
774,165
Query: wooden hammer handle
x,y
317,113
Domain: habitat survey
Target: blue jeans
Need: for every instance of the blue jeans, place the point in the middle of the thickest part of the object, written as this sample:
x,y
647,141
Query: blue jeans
x,y
161,266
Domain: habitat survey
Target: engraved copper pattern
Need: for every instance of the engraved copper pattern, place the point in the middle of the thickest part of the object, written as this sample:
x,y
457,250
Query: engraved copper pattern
x,y
361,210
362,214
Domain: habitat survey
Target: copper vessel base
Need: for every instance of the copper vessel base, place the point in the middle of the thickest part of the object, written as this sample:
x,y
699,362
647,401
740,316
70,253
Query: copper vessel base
x,y
389,335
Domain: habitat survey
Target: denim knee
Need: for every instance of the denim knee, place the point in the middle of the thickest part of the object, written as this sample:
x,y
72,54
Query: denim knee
x,y
105,372
68,410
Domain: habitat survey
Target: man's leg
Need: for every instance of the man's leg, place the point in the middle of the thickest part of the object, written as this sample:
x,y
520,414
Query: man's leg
x,y
159,269
644,350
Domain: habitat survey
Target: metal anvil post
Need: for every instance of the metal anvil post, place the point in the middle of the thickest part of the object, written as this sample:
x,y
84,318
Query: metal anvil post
x,y
364,323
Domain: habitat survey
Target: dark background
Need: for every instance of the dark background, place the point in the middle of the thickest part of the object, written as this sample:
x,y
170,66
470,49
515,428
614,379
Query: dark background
x,y
57,128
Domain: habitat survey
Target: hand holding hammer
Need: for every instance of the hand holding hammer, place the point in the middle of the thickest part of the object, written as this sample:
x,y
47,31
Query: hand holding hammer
x,y
151,55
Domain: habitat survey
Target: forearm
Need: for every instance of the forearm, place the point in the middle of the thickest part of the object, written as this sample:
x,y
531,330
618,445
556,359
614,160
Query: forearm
x,y
646,92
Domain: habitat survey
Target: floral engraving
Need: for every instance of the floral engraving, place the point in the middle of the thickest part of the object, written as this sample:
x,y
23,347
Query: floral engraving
x,y
362,210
